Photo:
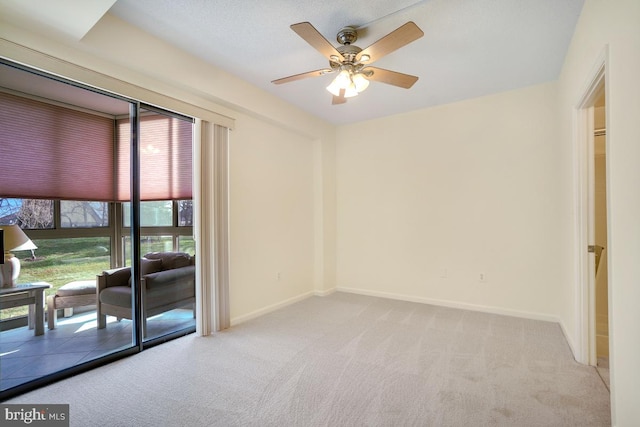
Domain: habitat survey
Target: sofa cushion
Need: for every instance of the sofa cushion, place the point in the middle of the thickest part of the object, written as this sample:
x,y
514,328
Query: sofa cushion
x,y
117,276
148,266
171,260
169,278
80,287
163,295
116,295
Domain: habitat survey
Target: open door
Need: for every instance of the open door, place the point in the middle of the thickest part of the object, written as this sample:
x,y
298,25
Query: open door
x,y
601,291
593,255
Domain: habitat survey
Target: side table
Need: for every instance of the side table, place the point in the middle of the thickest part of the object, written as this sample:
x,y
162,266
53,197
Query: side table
x,y
31,294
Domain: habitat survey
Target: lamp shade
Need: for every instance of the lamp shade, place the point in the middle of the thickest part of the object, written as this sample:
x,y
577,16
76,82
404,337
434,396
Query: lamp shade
x,y
15,239
342,81
350,91
349,82
360,82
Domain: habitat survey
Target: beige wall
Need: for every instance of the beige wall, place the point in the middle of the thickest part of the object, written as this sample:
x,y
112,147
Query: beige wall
x,y
459,190
615,26
272,213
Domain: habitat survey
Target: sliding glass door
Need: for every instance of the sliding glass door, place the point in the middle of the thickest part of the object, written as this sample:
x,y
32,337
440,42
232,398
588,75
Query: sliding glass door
x,y
166,253
101,188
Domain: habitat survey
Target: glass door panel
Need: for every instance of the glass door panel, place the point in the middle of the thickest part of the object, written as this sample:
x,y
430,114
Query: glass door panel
x,y
49,321
167,272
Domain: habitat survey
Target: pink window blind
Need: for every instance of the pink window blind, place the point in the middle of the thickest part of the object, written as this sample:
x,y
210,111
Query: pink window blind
x,y
165,158
51,152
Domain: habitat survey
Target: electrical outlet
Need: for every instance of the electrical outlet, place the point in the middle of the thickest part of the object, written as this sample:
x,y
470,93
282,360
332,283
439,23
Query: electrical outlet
x,y
443,273
482,277
278,275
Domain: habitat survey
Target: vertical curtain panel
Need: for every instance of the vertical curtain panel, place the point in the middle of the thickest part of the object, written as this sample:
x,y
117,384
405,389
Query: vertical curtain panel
x,y
211,217
51,152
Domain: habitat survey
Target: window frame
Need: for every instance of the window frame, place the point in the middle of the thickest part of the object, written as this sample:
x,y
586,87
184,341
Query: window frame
x,y
116,230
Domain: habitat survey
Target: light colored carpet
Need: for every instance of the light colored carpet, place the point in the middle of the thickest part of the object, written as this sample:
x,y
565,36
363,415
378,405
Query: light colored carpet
x,y
346,360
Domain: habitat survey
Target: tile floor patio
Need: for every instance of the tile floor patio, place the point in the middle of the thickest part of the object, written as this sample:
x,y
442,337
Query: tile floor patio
x,y
76,339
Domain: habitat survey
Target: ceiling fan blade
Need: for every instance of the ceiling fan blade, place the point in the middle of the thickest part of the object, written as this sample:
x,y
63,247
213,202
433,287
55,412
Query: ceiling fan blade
x,y
391,77
394,40
315,39
301,76
339,99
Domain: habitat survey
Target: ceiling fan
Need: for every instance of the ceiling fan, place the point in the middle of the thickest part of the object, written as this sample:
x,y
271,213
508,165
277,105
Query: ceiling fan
x,y
352,63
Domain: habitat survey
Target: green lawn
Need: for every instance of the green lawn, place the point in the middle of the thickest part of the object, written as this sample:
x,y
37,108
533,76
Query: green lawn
x,y
60,261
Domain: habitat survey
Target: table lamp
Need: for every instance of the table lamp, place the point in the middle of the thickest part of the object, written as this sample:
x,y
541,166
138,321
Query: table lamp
x,y
14,240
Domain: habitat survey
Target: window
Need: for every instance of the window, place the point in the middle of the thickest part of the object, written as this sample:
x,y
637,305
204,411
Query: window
x,y
187,244
31,214
165,226
35,214
152,214
77,214
185,213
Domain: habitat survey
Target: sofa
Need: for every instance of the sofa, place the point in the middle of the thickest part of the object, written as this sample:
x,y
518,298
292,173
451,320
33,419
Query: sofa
x,y
167,282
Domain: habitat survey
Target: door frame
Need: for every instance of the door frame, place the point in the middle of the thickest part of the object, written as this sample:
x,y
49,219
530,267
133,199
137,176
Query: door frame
x,y
585,208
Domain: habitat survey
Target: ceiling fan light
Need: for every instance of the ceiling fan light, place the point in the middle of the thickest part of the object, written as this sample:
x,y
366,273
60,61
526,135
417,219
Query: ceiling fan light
x,y
350,91
365,58
341,82
334,88
343,79
360,82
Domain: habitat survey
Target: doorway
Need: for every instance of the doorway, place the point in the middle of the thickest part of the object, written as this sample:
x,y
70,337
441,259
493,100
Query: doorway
x,y
592,241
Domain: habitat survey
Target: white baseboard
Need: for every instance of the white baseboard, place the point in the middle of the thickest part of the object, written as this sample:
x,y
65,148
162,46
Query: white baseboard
x,y
324,293
572,346
274,307
455,304
268,309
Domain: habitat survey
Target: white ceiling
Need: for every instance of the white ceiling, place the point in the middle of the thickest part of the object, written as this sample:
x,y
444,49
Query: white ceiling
x,y
470,48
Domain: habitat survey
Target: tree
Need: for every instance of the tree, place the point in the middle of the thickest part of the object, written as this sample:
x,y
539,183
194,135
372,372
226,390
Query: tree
x,y
84,214
35,214
185,212
8,210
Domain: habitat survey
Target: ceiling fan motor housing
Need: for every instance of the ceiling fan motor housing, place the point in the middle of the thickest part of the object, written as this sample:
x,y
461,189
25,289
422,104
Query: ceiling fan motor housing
x,y
347,35
349,53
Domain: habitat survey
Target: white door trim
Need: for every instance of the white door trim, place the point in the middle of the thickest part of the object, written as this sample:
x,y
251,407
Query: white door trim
x,y
584,181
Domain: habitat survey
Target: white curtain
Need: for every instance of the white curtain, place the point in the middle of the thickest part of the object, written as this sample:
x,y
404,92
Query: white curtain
x,y
211,197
